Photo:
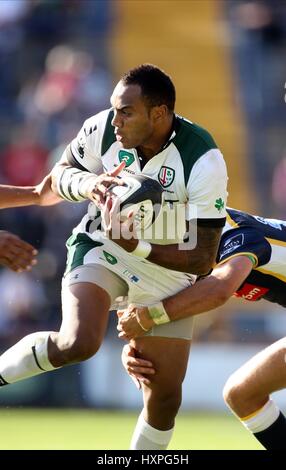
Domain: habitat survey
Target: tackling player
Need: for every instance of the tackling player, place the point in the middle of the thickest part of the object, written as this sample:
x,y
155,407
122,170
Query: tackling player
x,y
251,264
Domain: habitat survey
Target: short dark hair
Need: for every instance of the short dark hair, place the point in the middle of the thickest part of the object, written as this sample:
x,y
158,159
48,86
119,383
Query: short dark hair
x,y
156,86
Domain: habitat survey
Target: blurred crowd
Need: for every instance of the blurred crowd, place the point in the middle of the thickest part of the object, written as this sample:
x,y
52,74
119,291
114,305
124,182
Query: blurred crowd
x,y
258,29
54,73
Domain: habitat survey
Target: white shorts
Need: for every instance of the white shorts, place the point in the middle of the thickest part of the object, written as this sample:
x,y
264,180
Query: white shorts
x,y
126,278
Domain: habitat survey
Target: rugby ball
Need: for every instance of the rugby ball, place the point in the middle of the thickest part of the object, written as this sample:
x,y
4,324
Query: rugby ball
x,y
143,196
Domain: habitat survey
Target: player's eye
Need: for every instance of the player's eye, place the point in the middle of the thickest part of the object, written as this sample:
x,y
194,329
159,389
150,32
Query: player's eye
x,y
126,113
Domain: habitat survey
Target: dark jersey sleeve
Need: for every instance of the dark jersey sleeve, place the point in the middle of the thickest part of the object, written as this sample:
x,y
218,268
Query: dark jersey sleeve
x,y
244,240
213,223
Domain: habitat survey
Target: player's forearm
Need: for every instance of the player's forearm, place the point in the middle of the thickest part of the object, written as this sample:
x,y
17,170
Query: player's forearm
x,y
202,297
210,292
198,260
205,295
191,261
17,196
70,183
169,256
194,261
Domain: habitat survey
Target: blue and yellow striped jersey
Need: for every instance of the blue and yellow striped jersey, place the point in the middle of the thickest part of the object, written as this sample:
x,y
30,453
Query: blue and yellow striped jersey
x,y
265,240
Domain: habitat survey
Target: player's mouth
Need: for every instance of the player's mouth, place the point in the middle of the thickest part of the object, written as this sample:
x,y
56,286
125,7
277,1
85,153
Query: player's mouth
x,y
120,138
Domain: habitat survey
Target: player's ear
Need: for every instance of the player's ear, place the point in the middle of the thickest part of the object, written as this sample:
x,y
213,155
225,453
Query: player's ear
x,y
159,113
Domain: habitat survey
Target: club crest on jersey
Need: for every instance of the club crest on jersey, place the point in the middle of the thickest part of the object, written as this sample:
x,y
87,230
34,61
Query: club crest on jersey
x,y
166,176
231,244
126,157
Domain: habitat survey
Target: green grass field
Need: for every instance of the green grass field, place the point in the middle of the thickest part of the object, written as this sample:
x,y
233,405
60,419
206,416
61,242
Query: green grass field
x,y
106,430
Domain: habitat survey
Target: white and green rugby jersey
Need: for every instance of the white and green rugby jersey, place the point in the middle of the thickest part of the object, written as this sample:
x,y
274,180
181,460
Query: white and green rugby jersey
x,y
190,168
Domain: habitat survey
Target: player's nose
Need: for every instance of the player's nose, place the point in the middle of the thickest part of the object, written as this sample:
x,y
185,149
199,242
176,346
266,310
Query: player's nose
x,y
117,122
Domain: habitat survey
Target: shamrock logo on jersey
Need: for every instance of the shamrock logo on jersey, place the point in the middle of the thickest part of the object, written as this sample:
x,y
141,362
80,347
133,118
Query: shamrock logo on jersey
x,y
126,157
219,204
166,176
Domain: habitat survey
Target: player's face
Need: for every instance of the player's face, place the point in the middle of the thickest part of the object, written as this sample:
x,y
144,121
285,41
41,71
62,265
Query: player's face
x,y
132,120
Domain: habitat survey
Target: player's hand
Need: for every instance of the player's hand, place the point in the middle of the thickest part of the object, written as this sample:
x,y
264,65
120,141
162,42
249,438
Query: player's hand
x,y
133,322
44,193
97,187
120,232
136,367
15,253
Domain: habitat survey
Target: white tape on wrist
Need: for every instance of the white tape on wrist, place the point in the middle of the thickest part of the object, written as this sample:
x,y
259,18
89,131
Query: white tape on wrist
x,y
143,249
158,314
70,182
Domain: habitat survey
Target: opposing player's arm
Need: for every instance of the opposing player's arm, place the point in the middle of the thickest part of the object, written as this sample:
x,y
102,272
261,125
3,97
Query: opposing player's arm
x,y
212,291
207,294
17,196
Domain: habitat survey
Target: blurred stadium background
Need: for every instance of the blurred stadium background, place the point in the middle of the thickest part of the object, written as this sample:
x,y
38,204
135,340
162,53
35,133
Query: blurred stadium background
x,y
59,61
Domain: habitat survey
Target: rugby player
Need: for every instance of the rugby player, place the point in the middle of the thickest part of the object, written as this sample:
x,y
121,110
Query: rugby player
x,y
141,133
251,264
